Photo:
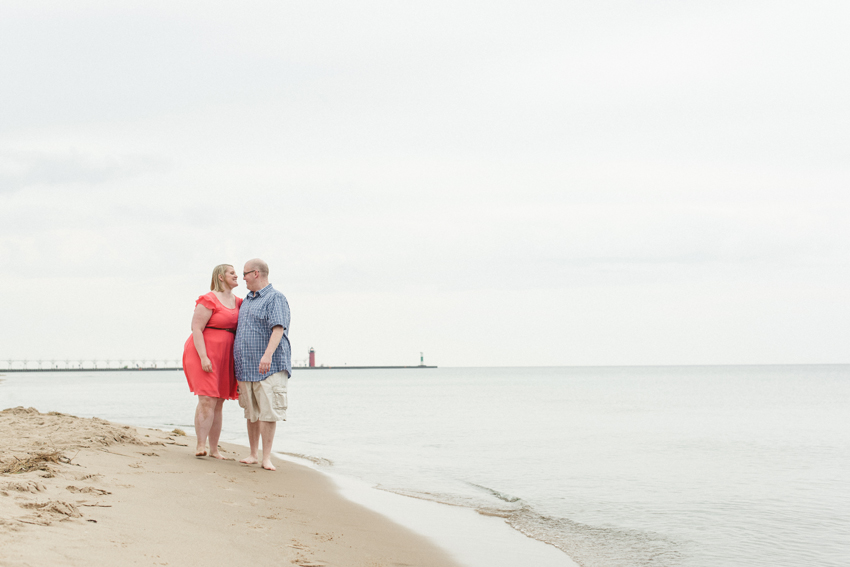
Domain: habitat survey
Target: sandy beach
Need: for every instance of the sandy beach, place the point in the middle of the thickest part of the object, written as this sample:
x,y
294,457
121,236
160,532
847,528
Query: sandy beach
x,y
76,491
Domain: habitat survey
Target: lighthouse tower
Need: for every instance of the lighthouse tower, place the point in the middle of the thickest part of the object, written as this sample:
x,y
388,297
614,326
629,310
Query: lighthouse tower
x,y
312,358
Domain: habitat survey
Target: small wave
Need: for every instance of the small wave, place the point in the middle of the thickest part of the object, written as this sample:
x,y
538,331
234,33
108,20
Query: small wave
x,y
451,500
439,498
593,546
320,461
500,495
588,546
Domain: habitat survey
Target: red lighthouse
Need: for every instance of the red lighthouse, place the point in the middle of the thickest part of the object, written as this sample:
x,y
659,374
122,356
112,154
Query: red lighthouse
x,y
312,358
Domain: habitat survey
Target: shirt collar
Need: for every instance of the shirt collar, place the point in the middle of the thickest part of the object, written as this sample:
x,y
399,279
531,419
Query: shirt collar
x,y
261,293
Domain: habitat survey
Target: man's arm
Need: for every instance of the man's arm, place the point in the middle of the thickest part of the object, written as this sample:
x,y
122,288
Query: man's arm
x,y
266,361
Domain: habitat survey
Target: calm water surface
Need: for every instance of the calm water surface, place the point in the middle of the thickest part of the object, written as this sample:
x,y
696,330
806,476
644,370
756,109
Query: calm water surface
x,y
626,466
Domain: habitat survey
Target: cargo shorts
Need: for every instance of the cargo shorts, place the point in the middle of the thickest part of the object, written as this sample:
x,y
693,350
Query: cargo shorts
x,y
265,400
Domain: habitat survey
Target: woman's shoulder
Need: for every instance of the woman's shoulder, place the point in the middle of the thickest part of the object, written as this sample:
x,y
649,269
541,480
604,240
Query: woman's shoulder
x,y
238,302
208,300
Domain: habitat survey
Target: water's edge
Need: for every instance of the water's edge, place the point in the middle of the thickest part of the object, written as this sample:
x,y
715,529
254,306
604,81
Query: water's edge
x,y
474,539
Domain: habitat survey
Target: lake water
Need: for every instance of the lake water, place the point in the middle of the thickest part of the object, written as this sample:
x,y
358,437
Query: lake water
x,y
624,466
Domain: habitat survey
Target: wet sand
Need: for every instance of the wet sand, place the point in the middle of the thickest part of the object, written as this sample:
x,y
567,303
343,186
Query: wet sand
x,y
78,491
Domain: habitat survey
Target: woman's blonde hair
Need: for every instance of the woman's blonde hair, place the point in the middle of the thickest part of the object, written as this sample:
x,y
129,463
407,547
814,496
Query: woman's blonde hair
x,y
220,270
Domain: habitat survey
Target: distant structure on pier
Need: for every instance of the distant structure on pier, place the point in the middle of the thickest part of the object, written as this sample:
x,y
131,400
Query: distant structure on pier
x,y
312,358
26,365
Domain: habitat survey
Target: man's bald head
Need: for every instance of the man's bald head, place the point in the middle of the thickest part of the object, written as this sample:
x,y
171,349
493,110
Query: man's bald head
x,y
256,274
259,265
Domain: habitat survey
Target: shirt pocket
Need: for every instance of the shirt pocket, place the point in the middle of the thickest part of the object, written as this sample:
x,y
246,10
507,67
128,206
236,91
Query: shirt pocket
x,y
258,313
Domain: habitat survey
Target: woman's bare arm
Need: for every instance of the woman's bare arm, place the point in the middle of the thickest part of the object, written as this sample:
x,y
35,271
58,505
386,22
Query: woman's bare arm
x,y
199,320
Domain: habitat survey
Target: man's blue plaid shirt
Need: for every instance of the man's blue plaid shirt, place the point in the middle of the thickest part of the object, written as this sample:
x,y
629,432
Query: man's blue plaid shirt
x,y
260,312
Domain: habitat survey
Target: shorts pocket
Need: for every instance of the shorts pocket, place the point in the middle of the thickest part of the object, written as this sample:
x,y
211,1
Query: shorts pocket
x,y
243,402
279,401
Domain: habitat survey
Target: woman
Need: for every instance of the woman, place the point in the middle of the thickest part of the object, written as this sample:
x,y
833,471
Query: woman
x,y
208,356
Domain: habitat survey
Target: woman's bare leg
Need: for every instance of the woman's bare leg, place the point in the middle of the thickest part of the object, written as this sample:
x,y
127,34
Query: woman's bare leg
x,y
215,429
204,415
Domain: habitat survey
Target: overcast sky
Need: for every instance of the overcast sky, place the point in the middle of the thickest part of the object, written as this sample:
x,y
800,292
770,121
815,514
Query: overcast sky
x,y
493,183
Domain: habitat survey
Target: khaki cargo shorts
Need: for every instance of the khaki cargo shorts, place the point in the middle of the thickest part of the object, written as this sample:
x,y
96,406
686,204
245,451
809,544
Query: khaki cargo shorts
x,y
265,400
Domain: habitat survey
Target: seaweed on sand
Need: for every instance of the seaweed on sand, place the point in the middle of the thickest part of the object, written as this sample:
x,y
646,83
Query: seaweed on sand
x,y
36,462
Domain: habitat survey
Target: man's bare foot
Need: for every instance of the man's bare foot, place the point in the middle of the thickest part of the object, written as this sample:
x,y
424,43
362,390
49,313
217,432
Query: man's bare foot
x,y
249,461
200,452
268,466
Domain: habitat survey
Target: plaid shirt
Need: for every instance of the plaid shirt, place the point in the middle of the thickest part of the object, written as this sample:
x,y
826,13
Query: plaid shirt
x,y
260,312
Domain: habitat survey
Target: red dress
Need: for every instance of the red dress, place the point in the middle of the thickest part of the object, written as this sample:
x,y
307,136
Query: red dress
x,y
221,382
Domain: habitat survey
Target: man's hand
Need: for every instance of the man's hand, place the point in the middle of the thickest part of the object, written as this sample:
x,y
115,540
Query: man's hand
x,y
265,363
274,340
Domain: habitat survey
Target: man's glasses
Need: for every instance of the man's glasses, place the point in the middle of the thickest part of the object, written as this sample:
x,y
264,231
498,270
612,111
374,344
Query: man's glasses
x,y
248,272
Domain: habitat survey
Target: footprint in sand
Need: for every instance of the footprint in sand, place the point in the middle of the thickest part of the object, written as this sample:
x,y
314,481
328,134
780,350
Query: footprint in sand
x,y
57,507
25,486
89,476
88,490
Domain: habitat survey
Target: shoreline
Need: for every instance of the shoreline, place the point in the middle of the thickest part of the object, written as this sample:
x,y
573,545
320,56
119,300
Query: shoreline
x,y
450,527
581,498
98,492
472,538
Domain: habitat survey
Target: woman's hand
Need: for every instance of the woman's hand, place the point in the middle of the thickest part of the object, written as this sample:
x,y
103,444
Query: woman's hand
x,y
206,364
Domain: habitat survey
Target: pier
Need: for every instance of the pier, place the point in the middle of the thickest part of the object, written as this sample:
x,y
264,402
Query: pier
x,y
88,365
157,364
143,365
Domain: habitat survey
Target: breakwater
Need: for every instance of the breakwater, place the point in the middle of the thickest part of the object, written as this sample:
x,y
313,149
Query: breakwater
x,y
164,368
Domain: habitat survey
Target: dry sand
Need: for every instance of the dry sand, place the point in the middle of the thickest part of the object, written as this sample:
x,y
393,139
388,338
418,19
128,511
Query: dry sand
x,y
77,491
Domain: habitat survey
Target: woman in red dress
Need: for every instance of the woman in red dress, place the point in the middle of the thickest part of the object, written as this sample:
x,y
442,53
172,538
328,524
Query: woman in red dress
x,y
208,356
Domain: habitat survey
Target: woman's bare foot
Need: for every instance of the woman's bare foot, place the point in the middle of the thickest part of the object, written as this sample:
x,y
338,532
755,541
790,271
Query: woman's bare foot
x,y
220,457
200,452
249,461
268,466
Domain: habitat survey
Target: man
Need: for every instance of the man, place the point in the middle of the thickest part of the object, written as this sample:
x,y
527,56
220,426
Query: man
x,y
263,359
